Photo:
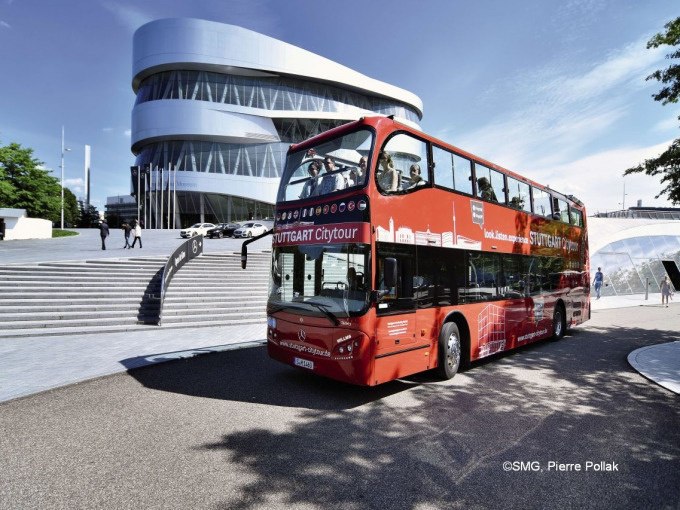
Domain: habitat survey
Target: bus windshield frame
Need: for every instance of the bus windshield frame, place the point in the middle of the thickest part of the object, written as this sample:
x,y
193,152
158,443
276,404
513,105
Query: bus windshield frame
x,y
331,280
340,164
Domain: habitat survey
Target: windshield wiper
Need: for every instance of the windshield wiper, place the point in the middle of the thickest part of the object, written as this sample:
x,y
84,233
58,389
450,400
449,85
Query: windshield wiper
x,y
325,311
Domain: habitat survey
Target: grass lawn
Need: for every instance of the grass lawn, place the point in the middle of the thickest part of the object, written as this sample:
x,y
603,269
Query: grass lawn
x,y
57,232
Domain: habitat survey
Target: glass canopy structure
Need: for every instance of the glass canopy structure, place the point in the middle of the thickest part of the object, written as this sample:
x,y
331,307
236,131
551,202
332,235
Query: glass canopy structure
x,y
630,252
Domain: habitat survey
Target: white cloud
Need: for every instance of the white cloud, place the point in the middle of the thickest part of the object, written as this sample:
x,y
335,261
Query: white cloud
x,y
671,123
131,17
127,133
598,180
4,24
627,66
76,185
107,129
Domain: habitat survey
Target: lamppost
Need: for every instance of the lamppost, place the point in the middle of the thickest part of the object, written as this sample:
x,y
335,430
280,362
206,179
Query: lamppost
x,y
62,176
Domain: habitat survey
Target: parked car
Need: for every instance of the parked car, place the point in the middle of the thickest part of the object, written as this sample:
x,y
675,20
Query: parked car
x,y
223,230
250,229
197,228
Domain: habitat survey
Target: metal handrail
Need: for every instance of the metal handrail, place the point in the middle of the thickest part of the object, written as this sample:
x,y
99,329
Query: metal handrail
x,y
188,250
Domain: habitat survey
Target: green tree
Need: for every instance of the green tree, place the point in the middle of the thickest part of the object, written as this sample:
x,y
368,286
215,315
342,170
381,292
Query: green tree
x,y
667,165
71,209
89,216
24,185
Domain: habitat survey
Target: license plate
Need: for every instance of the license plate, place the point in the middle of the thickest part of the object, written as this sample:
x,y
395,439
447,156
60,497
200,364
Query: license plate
x,y
304,363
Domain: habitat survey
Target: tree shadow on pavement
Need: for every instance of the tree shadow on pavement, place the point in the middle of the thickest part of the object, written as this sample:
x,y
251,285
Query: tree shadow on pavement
x,y
423,444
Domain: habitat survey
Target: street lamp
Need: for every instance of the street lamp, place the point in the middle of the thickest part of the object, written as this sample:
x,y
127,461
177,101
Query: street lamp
x,y
62,176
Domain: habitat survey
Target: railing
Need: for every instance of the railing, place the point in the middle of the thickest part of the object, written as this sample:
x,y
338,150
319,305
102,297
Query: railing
x,y
188,250
648,214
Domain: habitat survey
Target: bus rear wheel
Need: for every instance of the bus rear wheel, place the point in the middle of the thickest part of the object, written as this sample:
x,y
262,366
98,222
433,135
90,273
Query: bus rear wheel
x,y
449,350
559,322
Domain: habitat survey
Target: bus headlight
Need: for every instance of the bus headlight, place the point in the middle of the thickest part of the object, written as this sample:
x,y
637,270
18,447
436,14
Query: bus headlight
x,y
347,348
271,322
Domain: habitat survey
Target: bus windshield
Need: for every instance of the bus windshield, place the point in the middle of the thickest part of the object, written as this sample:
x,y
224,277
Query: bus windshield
x,y
323,280
331,166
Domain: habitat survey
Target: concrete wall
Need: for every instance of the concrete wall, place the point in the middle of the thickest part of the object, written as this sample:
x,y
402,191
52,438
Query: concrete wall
x,y
19,226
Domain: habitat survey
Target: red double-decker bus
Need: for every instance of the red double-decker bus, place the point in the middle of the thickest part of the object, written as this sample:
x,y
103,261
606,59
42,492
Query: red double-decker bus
x,y
394,253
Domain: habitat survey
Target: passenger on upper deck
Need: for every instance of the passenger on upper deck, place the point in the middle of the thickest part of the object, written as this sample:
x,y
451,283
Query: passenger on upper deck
x,y
363,161
357,176
331,180
486,190
415,177
310,186
387,176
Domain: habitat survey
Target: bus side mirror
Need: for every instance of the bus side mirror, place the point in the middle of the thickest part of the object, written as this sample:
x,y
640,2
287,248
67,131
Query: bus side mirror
x,y
244,256
390,276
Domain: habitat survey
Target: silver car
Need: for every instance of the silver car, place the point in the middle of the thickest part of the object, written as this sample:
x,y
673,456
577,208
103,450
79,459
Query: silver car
x,y
250,229
197,228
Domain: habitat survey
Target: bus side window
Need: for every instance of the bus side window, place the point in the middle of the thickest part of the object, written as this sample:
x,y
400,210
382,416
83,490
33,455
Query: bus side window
x,y
395,161
484,274
560,210
490,184
576,217
542,205
518,195
452,171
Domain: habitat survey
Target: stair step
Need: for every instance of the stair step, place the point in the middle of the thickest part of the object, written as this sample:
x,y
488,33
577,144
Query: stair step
x,y
71,297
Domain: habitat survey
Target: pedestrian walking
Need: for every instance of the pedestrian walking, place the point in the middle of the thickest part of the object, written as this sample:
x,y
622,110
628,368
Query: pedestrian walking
x,y
138,235
103,232
597,282
126,232
665,291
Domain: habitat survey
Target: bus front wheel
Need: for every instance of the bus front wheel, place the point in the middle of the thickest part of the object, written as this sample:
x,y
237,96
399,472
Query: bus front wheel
x,y
449,350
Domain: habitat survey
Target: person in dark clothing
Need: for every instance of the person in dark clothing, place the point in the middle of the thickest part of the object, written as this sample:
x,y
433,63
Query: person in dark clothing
x,y
126,231
103,232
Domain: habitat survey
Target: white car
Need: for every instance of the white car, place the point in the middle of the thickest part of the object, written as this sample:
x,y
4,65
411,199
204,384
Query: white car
x,y
194,230
250,229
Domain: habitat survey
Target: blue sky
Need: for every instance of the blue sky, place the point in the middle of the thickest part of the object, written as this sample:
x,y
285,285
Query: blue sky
x,y
553,89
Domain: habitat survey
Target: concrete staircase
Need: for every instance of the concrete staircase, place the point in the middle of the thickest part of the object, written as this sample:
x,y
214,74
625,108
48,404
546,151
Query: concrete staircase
x,y
65,298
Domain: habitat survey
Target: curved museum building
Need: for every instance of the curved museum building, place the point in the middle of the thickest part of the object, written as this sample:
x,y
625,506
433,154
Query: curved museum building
x,y
217,107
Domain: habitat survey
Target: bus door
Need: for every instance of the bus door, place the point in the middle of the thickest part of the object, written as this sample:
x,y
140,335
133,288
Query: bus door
x,y
514,288
395,310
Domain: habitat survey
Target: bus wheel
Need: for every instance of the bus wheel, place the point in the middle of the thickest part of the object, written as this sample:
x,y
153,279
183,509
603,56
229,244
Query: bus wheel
x,y
449,350
559,322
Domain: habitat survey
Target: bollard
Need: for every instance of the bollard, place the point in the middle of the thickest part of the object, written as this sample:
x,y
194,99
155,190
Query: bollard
x,y
647,290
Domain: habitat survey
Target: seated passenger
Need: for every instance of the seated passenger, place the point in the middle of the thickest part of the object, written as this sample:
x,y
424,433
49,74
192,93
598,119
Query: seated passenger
x,y
415,177
486,190
517,202
387,176
361,173
352,178
310,186
332,180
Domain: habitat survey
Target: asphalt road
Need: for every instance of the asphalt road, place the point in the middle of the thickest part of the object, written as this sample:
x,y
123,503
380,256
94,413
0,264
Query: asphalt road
x,y
236,430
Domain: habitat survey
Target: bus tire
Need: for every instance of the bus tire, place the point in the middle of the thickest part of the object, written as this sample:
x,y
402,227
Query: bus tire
x,y
559,322
450,348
